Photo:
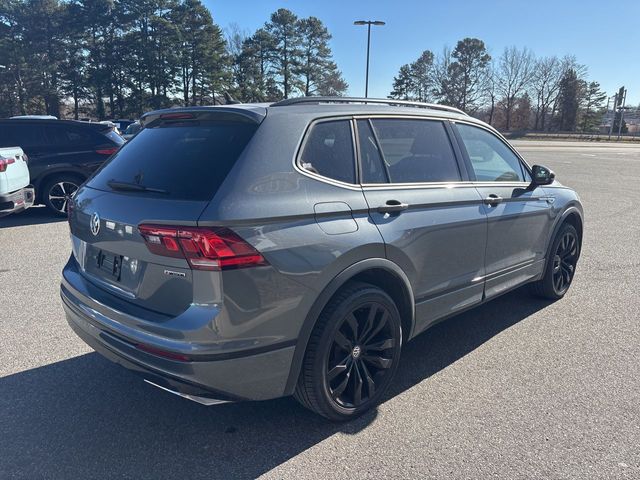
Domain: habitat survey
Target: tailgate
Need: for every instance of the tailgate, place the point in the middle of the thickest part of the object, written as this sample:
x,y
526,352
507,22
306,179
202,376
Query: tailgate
x,y
14,172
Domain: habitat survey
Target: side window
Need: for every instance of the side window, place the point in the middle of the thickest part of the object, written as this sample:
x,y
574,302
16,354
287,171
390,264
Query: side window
x,y
416,151
491,159
65,135
25,135
328,151
373,167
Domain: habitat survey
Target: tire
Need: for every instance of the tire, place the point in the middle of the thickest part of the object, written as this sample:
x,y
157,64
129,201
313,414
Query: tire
x,y
345,372
56,191
561,264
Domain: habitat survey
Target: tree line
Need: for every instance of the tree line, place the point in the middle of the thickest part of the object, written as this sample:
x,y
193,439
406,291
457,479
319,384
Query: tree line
x,y
514,91
120,58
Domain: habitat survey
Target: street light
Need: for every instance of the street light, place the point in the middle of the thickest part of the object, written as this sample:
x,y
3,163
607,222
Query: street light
x,y
368,23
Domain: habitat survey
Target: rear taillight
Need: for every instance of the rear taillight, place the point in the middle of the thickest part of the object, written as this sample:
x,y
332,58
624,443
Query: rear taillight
x,y
5,162
107,151
213,248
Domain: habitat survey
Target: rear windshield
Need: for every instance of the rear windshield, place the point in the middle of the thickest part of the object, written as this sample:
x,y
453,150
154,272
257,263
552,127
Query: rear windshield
x,y
187,160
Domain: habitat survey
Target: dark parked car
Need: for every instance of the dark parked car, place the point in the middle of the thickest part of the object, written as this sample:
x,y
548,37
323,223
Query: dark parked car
x,y
62,154
250,251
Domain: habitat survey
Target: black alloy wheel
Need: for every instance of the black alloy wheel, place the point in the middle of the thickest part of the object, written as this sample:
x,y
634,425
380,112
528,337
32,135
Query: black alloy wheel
x,y
352,354
361,355
561,264
565,261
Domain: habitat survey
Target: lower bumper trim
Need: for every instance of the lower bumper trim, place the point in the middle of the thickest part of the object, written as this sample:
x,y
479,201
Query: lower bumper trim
x,y
194,398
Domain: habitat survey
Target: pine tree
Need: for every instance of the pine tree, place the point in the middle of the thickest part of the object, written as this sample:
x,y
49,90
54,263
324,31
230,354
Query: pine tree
x,y
592,106
286,53
319,73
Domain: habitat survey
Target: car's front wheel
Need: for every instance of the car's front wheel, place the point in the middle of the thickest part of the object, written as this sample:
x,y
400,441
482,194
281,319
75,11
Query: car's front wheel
x,y
561,264
353,353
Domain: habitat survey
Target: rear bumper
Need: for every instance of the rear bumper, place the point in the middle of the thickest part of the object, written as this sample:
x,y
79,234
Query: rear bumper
x,y
16,201
224,376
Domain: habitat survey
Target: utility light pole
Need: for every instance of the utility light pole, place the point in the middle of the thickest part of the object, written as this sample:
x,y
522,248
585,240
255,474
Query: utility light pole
x,y
613,118
623,92
368,23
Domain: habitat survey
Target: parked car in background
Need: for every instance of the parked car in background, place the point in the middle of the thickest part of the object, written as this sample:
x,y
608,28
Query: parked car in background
x,y
15,194
250,251
123,123
131,131
62,154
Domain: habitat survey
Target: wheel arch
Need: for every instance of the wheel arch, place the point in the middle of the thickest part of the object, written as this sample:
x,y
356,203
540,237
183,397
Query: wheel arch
x,y
380,272
572,215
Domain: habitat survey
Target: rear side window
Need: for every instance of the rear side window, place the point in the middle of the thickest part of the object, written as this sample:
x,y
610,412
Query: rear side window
x,y
416,151
491,159
65,135
328,151
189,160
22,135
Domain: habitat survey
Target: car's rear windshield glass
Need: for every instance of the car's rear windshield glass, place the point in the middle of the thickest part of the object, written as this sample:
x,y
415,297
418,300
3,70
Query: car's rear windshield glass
x,y
187,160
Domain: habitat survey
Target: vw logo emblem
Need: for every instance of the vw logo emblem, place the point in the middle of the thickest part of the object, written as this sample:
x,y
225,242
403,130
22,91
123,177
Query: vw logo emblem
x,y
356,351
94,223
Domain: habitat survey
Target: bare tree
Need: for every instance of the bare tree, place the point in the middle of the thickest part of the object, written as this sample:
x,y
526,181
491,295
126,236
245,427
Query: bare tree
x,y
442,87
545,87
515,70
490,91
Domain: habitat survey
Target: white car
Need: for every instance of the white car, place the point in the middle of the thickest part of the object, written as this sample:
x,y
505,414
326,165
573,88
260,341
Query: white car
x,y
15,193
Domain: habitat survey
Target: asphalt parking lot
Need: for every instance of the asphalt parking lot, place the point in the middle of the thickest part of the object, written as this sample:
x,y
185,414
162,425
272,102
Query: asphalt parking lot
x,y
518,388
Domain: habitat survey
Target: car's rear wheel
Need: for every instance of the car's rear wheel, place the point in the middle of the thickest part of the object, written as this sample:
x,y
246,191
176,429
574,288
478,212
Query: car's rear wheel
x,y
352,354
58,190
561,264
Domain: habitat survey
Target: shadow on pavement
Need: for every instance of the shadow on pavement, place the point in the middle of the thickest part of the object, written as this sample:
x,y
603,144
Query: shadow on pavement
x,y
36,215
87,418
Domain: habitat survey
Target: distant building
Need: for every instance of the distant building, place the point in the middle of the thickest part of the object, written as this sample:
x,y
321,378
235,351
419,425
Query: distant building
x,y
631,118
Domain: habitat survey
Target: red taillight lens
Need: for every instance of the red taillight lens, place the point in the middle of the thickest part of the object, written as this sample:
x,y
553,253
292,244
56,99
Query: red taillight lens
x,y
5,162
107,151
215,248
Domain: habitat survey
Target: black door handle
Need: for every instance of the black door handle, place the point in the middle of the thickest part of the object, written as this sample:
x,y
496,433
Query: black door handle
x,y
392,206
493,200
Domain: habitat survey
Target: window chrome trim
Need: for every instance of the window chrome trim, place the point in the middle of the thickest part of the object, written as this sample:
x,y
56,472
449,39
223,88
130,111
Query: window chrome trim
x,y
395,186
316,176
461,184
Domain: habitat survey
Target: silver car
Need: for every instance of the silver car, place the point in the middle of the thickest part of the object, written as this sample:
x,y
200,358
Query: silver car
x,y
256,251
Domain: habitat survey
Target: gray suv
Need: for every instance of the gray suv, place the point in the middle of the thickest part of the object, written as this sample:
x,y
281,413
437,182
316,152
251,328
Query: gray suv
x,y
256,251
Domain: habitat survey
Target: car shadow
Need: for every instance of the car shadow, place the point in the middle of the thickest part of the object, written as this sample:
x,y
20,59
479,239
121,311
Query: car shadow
x,y
36,215
87,418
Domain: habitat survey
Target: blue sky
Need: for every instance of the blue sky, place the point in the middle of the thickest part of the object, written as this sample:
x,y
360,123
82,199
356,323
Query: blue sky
x,y
602,35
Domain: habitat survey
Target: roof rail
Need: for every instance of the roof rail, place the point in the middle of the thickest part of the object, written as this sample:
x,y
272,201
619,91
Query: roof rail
x,y
383,101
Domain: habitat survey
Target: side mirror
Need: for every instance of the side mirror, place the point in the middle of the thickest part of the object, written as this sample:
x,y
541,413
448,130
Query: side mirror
x,y
541,176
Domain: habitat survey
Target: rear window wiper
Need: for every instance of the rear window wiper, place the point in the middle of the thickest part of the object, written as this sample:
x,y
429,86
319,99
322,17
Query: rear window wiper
x,y
133,187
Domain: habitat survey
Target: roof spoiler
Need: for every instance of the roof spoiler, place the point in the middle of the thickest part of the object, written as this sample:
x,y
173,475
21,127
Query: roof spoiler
x,y
219,112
